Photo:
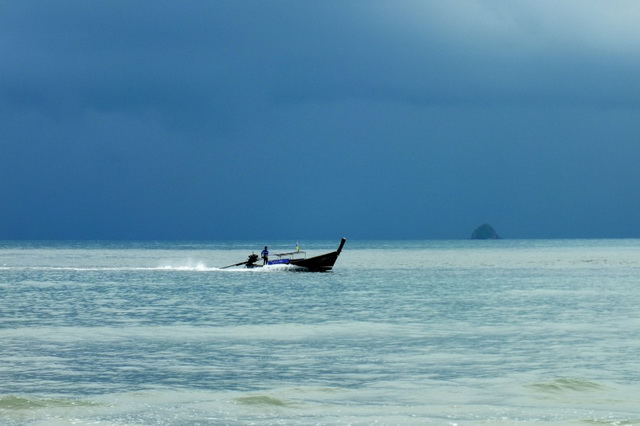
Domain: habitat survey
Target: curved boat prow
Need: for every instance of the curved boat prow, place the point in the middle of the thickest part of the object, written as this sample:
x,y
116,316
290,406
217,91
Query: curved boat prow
x,y
320,263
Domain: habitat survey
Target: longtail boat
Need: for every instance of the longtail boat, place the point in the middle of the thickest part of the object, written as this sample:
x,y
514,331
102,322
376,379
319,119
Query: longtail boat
x,y
299,259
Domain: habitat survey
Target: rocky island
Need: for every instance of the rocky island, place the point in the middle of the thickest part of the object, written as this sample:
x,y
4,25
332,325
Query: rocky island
x,y
485,232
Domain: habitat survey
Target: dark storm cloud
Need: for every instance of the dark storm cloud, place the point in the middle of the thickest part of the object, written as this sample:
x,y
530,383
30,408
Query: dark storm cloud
x,y
119,55
411,119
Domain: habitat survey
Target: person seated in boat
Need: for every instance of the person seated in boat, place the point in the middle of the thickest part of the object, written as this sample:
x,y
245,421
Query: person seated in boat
x,y
265,255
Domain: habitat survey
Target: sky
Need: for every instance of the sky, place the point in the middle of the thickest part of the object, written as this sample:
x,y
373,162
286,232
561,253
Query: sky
x,y
288,119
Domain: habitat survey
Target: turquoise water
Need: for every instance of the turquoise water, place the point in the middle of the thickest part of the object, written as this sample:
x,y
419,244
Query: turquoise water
x,y
437,332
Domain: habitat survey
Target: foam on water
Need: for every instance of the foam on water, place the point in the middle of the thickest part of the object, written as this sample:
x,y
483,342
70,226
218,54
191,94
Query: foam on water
x,y
199,267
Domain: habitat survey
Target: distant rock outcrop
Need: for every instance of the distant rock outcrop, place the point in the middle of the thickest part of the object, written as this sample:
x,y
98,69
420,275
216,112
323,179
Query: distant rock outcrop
x,y
485,232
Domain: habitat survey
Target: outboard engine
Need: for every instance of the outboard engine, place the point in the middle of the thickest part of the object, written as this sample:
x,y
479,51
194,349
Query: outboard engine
x,y
252,259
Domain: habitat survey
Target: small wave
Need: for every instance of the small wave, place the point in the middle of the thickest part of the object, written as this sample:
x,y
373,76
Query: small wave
x,y
263,400
564,384
12,402
611,422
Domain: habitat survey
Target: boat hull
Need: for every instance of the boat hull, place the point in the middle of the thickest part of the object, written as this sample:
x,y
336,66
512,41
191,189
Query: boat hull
x,y
322,263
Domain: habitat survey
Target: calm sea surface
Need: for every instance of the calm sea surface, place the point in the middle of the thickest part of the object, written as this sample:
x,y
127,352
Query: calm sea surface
x,y
428,332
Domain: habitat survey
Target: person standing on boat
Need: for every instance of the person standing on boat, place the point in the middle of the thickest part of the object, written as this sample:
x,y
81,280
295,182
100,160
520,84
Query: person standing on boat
x,y
265,255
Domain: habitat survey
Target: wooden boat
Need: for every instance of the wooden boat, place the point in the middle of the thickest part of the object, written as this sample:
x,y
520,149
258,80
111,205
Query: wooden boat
x,y
321,263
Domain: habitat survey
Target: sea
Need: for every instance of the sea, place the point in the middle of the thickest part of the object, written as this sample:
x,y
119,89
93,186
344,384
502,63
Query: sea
x,y
502,332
